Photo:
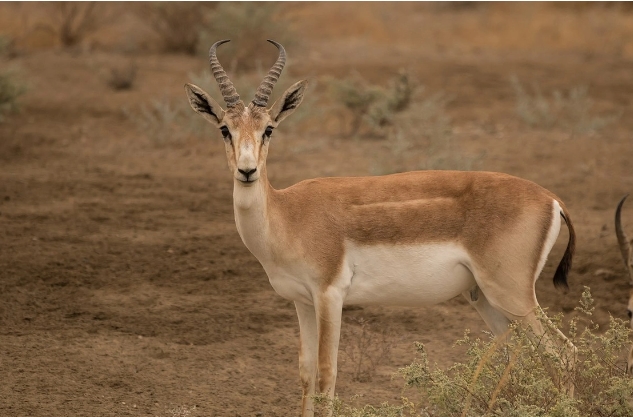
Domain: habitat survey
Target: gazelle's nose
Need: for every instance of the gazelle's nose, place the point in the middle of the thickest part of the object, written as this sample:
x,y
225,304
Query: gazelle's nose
x,y
247,173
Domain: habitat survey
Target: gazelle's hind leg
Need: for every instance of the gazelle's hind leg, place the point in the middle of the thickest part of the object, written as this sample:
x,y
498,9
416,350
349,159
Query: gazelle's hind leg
x,y
496,321
552,340
557,344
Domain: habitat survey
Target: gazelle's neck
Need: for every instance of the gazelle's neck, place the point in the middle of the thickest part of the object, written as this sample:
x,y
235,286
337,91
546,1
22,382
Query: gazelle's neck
x,y
250,205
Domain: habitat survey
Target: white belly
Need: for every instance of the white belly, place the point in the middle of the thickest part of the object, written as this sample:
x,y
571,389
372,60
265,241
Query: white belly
x,y
414,275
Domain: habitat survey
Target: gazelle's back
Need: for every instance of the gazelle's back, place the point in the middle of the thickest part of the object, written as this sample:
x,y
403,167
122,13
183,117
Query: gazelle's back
x,y
415,206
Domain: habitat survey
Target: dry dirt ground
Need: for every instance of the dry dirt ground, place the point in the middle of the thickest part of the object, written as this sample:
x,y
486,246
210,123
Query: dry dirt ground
x,y
124,286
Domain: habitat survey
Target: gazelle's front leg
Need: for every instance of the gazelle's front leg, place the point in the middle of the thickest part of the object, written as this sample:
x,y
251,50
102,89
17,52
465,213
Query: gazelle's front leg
x,y
329,309
308,350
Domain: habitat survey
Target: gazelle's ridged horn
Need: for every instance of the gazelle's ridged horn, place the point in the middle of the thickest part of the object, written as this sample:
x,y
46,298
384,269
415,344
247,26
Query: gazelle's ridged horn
x,y
623,241
229,93
266,87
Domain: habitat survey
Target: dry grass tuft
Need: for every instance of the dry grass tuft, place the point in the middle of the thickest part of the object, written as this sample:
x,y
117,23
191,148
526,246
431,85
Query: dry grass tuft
x,y
572,111
365,348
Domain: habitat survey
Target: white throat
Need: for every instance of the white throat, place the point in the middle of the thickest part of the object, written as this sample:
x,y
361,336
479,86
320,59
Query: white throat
x,y
250,209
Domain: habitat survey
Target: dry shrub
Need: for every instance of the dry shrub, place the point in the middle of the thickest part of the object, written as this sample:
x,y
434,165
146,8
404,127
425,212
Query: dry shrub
x,y
7,47
247,25
324,406
375,105
160,120
509,377
365,349
165,121
72,21
572,111
421,137
416,126
177,24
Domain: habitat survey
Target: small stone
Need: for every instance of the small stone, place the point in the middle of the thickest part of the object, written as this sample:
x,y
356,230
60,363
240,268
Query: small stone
x,y
605,274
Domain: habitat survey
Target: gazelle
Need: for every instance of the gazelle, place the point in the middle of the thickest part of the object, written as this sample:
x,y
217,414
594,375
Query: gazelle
x,y
411,239
627,255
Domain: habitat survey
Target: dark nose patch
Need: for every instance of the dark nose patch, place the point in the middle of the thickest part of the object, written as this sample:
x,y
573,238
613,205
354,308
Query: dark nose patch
x,y
247,173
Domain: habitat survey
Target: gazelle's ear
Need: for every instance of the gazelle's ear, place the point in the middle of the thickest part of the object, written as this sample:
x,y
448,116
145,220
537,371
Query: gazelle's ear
x,y
203,104
288,102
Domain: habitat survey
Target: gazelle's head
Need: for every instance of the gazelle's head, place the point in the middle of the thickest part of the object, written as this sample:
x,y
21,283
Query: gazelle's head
x,y
246,129
626,247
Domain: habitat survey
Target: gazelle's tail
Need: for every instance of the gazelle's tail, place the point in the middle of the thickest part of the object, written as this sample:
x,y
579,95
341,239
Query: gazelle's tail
x,y
560,277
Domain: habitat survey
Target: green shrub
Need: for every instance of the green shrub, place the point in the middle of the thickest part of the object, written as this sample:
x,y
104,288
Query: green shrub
x,y
509,376
10,90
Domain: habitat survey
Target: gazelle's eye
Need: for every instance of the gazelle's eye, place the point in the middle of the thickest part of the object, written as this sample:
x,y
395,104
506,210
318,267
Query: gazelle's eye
x,y
267,132
630,313
225,133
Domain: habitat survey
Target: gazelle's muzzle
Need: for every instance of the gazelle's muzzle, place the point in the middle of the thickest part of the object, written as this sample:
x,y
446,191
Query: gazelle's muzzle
x,y
246,161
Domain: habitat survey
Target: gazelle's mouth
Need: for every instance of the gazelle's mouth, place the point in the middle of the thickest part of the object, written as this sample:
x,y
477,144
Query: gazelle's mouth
x,y
247,182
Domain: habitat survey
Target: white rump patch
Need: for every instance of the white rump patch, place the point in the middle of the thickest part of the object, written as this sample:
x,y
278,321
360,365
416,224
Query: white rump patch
x,y
552,235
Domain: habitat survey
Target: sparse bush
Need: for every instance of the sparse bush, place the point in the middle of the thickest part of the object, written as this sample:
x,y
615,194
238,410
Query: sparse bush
x,y
375,105
572,111
422,138
365,348
164,121
509,377
72,21
357,96
123,77
247,24
10,91
7,46
158,120
178,24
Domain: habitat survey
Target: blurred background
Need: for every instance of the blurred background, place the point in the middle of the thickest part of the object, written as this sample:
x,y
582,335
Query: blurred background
x,y
124,286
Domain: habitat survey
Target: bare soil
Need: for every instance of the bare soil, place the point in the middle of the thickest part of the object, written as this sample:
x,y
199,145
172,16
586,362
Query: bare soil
x,y
124,286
